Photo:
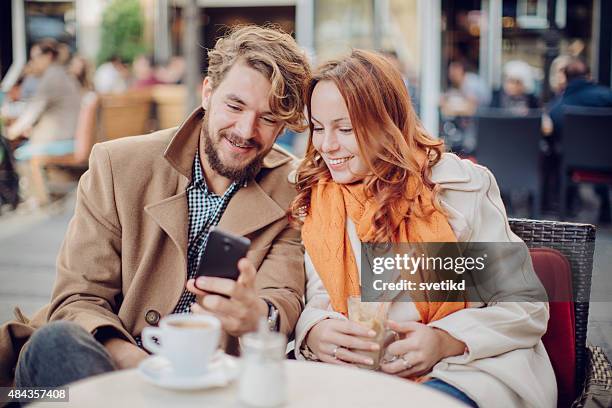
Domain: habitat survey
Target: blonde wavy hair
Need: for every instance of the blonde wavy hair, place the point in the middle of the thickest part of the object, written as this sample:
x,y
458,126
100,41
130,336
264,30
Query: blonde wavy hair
x,y
277,56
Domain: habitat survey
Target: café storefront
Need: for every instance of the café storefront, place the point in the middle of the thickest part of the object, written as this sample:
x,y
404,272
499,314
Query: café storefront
x,y
425,35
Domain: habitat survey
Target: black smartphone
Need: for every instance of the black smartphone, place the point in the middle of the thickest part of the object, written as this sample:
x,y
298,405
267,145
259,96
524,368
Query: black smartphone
x,y
222,253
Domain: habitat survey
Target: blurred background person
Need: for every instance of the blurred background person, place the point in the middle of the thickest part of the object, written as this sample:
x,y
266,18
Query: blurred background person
x,y
516,94
409,80
85,135
557,80
30,80
466,93
112,76
579,91
550,156
143,70
30,75
81,69
22,91
49,119
13,104
173,72
64,54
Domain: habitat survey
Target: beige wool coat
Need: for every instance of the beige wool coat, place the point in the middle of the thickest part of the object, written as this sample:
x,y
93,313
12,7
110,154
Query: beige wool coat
x,y
123,263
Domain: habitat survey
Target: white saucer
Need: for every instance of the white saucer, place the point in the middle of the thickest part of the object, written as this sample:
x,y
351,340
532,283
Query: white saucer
x,y
222,370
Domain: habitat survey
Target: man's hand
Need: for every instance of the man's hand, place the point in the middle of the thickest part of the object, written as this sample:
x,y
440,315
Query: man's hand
x,y
420,348
124,354
332,340
240,313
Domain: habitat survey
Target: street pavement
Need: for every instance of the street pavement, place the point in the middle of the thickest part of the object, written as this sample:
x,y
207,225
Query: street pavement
x,y
29,243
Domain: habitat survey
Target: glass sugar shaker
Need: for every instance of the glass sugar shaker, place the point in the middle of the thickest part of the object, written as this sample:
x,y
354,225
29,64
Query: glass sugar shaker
x,y
262,381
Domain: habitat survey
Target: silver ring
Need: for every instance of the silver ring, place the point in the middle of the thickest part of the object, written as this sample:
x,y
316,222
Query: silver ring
x,y
393,358
335,351
407,365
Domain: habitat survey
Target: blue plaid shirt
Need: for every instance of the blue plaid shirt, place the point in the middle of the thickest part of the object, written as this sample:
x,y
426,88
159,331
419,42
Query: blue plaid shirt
x,y
205,211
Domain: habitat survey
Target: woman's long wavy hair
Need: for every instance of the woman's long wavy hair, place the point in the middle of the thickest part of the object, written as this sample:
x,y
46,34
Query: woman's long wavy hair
x,y
389,134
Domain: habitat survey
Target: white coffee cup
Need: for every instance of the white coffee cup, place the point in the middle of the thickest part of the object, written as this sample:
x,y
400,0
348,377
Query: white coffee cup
x,y
187,341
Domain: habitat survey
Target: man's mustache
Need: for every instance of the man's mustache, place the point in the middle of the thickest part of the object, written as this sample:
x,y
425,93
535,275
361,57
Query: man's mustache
x,y
232,137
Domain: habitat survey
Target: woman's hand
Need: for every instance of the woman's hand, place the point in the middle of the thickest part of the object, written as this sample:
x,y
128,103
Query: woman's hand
x,y
331,339
420,348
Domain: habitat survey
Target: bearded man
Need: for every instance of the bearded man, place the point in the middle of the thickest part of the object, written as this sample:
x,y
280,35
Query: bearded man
x,y
144,212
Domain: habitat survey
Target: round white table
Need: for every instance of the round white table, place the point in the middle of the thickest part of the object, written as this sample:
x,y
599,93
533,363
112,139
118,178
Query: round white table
x,y
309,385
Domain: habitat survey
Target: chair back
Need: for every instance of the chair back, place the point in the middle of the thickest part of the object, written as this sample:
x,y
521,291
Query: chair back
x,y
586,138
509,146
586,145
171,104
577,244
554,272
125,114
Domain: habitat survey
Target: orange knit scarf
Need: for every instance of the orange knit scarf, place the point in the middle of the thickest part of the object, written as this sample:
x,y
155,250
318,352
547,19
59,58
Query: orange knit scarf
x,y
326,238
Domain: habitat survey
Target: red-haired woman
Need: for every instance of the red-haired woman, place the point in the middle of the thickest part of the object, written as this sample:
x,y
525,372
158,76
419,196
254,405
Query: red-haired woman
x,y
372,174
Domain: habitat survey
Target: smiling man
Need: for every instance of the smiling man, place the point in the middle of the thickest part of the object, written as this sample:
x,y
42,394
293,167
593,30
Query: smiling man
x,y
144,212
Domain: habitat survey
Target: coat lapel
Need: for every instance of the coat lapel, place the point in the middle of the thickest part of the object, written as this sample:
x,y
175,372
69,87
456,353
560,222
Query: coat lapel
x,y
172,216
451,175
249,210
172,213
252,208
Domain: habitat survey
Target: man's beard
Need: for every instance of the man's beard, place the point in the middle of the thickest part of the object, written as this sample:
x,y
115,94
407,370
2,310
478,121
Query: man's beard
x,y
239,174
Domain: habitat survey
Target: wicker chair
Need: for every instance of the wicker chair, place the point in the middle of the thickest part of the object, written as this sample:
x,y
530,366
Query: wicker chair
x,y
577,243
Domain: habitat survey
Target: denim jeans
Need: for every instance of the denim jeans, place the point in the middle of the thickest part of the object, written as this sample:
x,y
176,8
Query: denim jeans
x,y
451,391
60,353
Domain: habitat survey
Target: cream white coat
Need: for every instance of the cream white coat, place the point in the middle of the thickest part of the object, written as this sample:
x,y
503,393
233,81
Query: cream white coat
x,y
505,364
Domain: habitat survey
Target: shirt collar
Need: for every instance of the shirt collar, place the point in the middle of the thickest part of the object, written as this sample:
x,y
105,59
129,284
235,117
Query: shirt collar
x,y
197,176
